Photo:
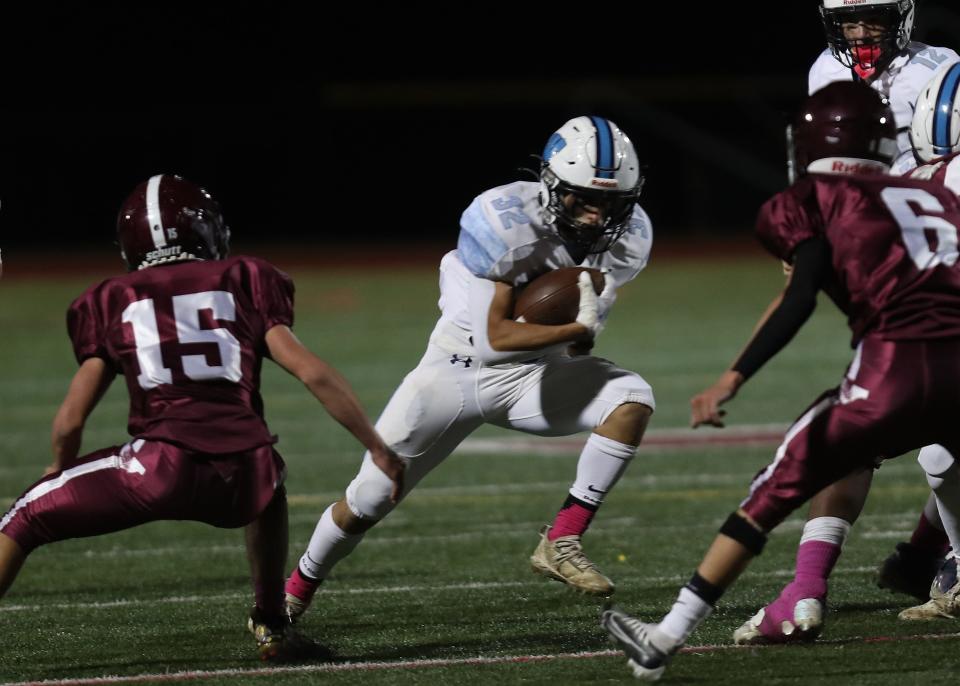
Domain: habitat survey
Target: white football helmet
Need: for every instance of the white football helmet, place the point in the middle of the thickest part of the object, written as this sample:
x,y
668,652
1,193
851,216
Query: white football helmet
x,y
896,15
592,159
935,130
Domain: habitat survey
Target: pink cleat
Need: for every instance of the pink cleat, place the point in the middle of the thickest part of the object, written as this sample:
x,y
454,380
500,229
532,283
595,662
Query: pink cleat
x,y
299,592
794,617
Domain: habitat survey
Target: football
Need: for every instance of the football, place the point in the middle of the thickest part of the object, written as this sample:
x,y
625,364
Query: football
x,y
554,298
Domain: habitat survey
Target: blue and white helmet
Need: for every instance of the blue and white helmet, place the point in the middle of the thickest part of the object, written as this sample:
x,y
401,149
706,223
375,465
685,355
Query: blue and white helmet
x,y
935,130
592,159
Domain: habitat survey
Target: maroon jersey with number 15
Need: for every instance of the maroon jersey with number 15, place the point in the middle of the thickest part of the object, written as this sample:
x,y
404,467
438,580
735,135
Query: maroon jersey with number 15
x,y
189,339
894,249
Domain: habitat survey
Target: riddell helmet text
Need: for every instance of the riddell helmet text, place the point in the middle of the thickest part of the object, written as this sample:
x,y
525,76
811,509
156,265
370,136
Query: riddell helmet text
x,y
841,167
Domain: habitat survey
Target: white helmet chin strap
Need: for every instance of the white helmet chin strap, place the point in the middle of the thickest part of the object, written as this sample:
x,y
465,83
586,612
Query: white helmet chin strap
x,y
846,165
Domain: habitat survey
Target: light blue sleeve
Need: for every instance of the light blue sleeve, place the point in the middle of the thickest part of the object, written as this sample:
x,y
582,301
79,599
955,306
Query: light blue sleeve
x,y
629,255
479,247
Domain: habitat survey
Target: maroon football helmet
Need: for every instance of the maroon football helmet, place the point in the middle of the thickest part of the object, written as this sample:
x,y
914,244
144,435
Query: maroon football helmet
x,y
844,128
168,219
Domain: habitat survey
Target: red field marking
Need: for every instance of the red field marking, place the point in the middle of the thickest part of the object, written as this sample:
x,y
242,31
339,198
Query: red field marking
x,y
326,668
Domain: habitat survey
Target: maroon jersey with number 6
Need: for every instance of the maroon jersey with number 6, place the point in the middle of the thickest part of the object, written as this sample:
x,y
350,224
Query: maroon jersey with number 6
x,y
893,245
894,249
189,339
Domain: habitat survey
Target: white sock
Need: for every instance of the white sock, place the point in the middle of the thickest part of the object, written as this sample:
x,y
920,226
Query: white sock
x,y
602,463
328,545
932,511
827,529
946,488
686,615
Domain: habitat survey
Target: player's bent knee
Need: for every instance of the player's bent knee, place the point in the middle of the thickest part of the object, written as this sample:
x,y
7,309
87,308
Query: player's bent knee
x,y
277,505
348,522
935,460
10,548
949,475
744,533
633,411
627,422
369,498
12,557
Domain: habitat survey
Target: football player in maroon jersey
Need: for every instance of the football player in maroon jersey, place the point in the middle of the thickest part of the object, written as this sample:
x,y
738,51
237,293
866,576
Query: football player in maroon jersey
x,y
868,41
188,328
798,611
885,250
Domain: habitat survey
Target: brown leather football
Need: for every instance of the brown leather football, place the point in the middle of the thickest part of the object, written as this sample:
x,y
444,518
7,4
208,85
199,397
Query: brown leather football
x,y
554,298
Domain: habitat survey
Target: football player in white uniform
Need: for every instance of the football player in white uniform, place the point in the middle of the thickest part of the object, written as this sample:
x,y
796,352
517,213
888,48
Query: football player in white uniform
x,y
935,131
870,41
797,613
935,134
482,367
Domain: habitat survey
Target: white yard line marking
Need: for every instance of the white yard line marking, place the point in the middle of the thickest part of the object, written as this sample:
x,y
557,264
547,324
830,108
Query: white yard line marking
x,y
891,525
882,523
433,663
416,589
671,438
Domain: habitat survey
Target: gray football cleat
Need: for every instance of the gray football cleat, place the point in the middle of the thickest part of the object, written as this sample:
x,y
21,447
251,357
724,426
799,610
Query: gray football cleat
x,y
647,660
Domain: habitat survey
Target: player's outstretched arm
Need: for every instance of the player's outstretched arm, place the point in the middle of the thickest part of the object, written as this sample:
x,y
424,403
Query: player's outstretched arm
x,y
87,387
781,321
337,397
705,406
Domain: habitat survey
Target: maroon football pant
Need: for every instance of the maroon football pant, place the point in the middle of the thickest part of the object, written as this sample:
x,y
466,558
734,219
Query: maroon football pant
x,y
143,481
897,396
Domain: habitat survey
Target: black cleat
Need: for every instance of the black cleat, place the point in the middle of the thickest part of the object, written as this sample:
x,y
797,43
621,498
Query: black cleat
x,y
278,641
909,570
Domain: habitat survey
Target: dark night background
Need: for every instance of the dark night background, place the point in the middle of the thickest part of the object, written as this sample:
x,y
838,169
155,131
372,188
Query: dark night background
x,y
379,126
